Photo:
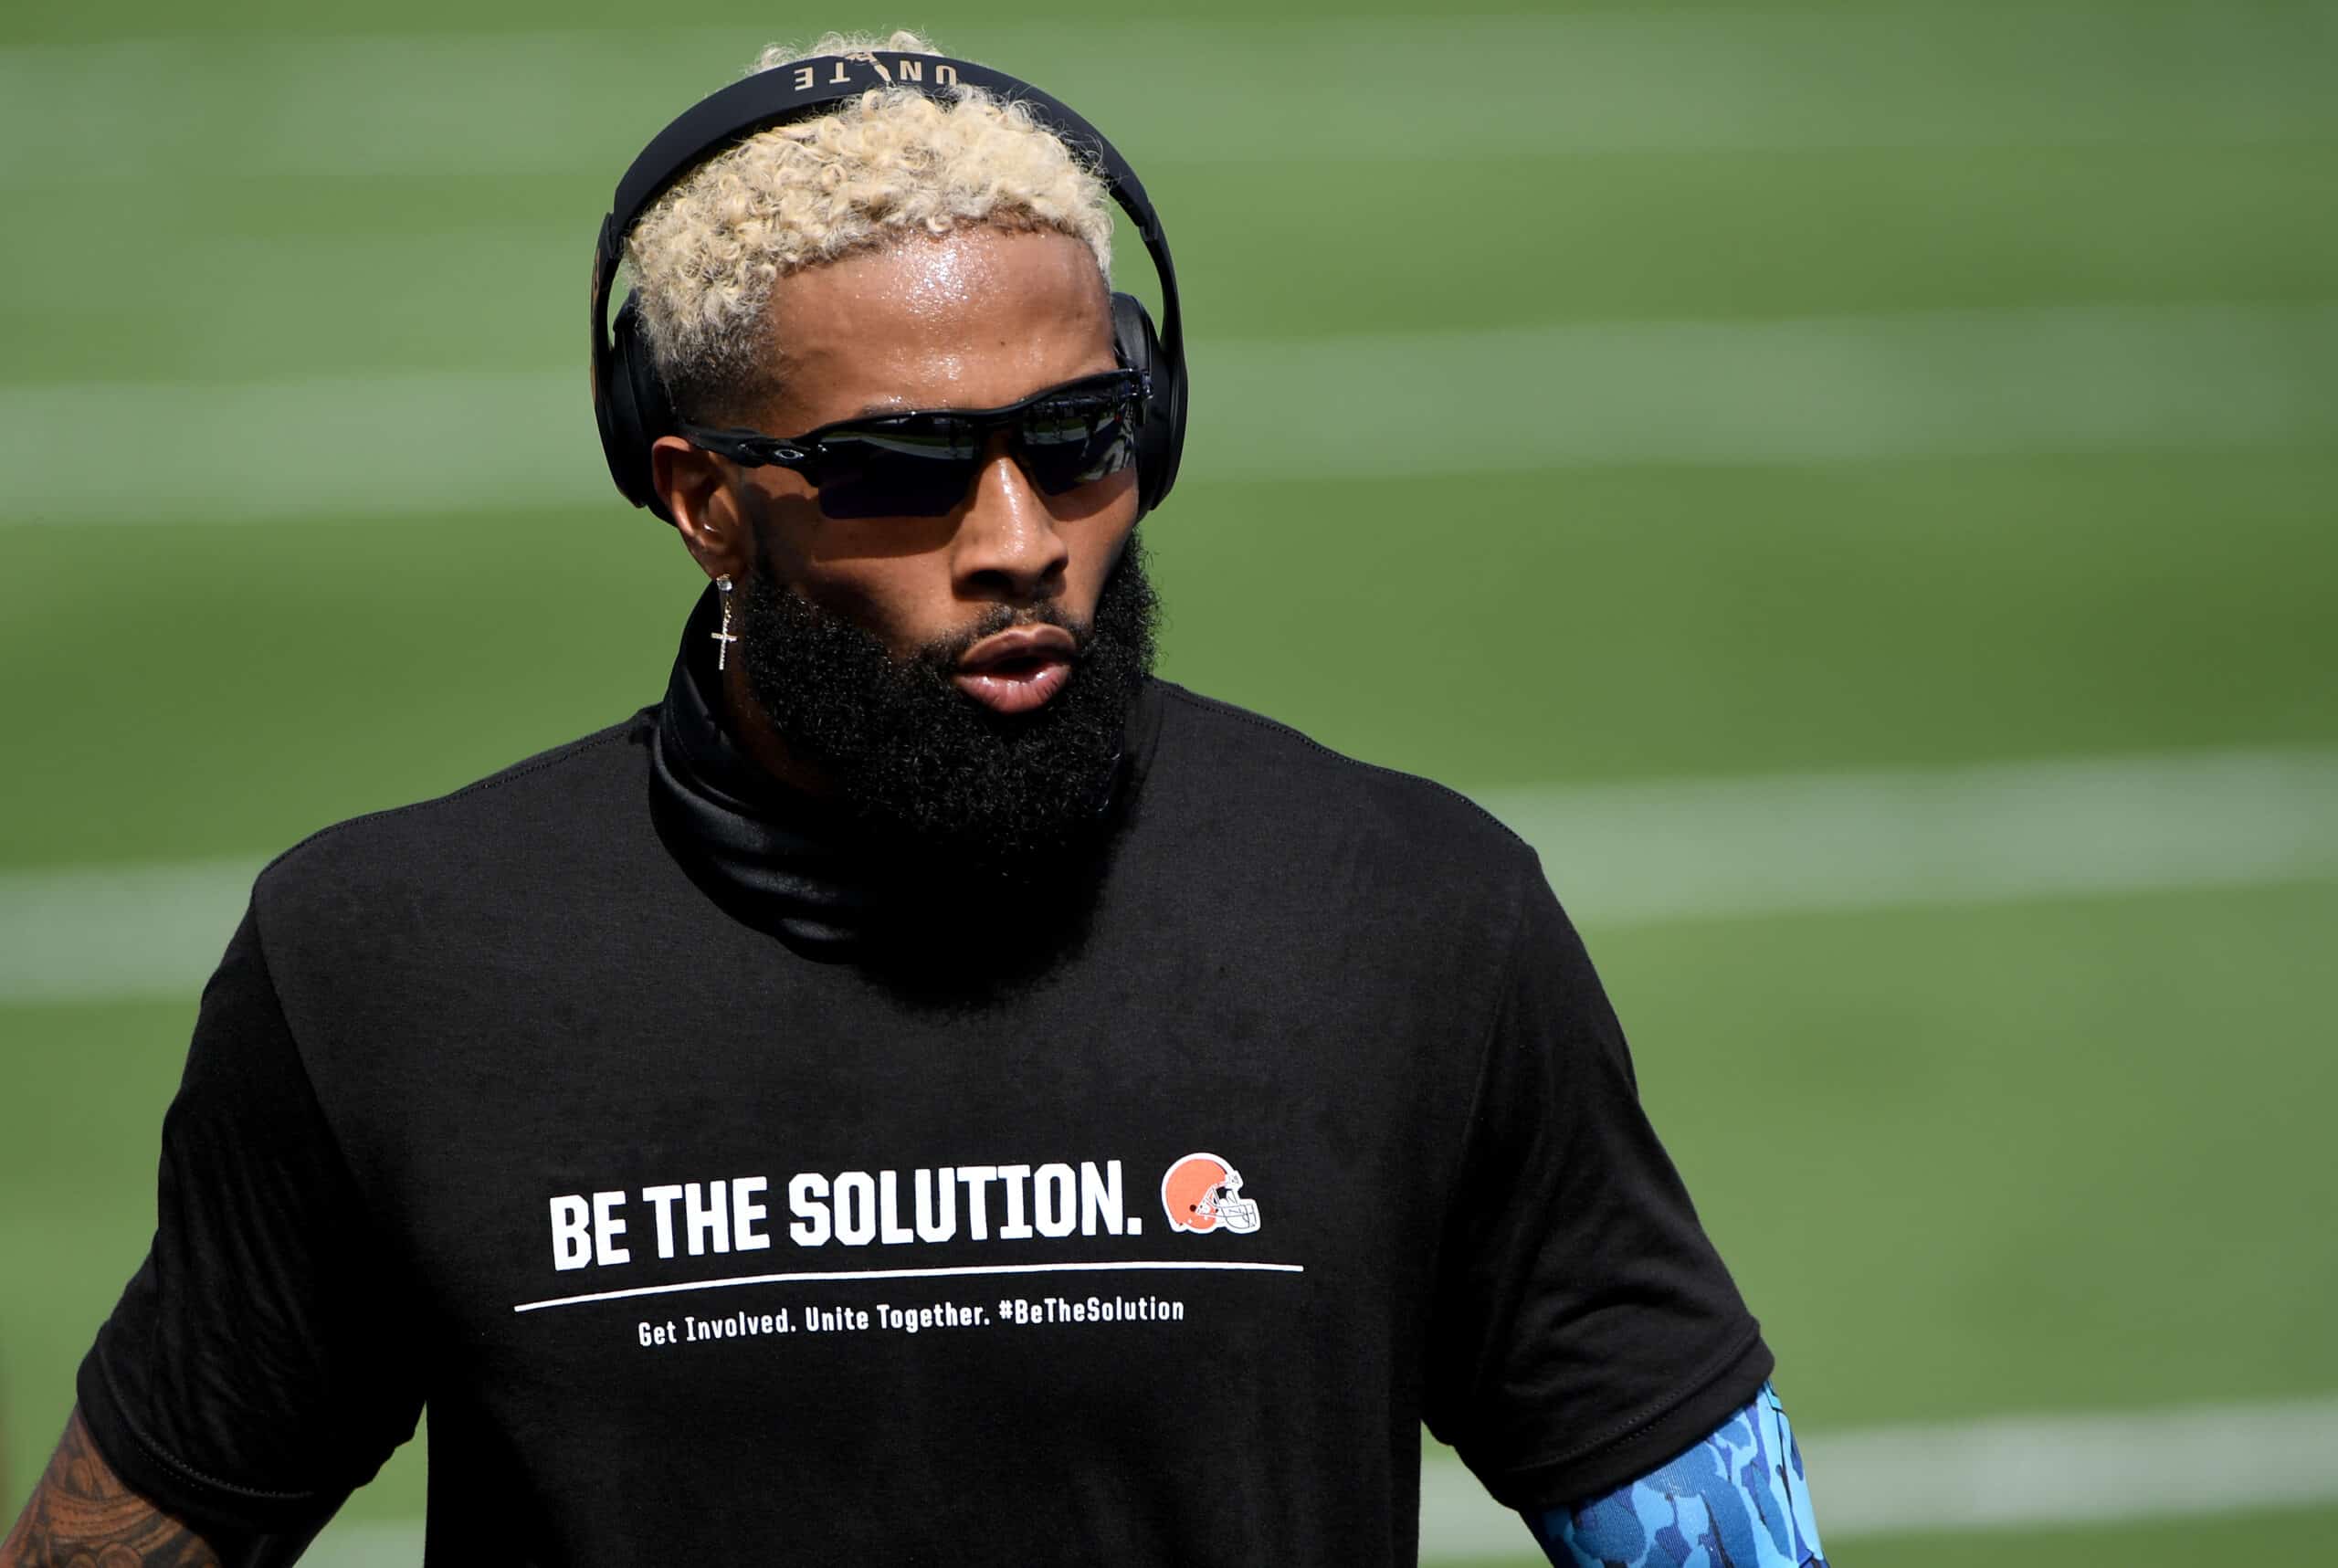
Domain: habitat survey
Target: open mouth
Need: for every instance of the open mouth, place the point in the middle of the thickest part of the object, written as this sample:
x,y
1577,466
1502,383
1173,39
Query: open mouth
x,y
1016,687
1016,670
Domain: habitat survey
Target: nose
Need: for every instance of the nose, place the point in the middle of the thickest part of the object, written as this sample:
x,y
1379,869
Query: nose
x,y
1007,548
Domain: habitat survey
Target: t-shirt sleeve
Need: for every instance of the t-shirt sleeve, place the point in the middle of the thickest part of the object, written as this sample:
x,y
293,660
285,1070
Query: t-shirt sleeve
x,y
1584,1329
259,1366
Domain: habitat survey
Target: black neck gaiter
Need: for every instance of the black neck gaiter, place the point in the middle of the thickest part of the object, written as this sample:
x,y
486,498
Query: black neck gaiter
x,y
804,869
781,860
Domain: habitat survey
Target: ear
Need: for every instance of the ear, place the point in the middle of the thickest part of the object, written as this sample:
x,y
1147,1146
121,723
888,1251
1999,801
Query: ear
x,y
705,509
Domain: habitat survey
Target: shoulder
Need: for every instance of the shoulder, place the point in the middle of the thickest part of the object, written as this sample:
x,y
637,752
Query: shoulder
x,y
1234,773
528,819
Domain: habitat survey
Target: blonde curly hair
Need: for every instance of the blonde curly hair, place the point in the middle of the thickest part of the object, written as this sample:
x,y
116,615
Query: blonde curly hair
x,y
872,171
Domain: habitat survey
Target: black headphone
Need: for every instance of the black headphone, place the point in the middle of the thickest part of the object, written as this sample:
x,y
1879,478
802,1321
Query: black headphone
x,y
629,401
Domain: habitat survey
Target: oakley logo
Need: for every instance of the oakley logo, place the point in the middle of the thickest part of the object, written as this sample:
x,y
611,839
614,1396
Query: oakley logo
x,y
904,70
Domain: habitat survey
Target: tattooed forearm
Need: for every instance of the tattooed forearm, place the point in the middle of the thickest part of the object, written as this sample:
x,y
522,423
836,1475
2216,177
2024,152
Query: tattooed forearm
x,y
81,1516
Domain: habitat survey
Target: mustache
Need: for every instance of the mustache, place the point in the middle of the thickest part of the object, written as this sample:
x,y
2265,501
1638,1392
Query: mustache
x,y
942,656
968,791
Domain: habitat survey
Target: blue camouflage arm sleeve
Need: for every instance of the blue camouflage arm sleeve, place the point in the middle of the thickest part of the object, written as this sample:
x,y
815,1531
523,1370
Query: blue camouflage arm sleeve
x,y
1737,1499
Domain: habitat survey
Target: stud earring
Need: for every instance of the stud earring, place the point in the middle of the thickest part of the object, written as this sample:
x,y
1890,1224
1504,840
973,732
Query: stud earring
x,y
723,639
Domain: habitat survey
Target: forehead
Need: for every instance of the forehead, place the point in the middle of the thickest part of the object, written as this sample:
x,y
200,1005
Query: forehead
x,y
972,319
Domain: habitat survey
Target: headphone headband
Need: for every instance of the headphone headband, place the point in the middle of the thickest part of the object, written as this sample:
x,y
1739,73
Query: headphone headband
x,y
800,90
788,92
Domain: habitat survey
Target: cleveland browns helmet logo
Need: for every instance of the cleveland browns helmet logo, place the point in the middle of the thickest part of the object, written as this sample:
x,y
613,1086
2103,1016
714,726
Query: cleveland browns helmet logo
x,y
1202,1191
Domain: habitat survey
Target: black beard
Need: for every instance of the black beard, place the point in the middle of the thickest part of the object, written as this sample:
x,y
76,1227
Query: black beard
x,y
958,788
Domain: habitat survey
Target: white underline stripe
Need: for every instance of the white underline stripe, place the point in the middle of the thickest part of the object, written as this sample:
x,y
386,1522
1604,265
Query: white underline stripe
x,y
849,1274
1620,856
1532,397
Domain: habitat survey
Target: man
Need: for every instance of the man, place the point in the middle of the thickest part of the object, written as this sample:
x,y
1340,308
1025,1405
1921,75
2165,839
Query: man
x,y
924,1091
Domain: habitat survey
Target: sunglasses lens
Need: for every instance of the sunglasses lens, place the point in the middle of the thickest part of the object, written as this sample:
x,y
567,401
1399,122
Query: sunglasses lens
x,y
1079,438
911,470
921,464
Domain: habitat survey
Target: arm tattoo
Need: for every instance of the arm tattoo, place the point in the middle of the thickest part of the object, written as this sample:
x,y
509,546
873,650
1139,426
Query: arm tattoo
x,y
81,1516
1738,1498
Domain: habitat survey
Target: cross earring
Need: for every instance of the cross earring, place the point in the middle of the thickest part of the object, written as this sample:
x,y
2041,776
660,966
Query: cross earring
x,y
723,639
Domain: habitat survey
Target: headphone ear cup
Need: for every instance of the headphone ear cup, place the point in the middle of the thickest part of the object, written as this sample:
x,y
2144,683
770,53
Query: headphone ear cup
x,y
636,410
1163,435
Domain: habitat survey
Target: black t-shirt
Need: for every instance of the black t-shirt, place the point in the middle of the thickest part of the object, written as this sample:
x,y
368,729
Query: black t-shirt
x,y
703,1240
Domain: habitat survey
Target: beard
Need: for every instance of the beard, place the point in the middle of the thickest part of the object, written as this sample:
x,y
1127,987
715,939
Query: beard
x,y
958,788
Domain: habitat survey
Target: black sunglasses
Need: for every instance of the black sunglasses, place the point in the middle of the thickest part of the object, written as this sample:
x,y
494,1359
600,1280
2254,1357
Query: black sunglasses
x,y
921,464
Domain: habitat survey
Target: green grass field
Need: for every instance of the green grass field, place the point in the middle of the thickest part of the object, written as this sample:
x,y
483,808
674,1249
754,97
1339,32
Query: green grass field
x,y
1911,387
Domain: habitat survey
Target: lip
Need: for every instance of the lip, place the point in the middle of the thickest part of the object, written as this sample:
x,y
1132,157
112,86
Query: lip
x,y
1017,669
1017,645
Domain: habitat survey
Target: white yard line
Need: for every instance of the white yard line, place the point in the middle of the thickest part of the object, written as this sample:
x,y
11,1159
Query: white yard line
x,y
1806,390
1887,1481
1358,88
1619,856
1729,849
1997,1474
118,932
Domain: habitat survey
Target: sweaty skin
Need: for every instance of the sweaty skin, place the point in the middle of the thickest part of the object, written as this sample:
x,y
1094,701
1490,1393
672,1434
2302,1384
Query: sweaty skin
x,y
978,317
